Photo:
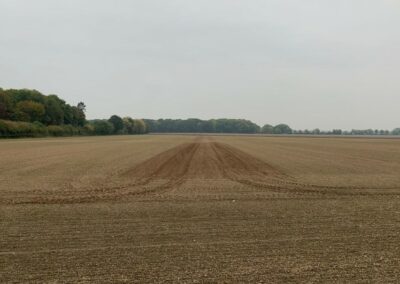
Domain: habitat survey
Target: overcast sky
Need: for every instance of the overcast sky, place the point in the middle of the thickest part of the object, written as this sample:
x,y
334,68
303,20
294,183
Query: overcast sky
x,y
308,63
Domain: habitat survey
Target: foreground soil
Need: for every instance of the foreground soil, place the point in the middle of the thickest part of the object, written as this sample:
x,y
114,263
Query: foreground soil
x,y
200,209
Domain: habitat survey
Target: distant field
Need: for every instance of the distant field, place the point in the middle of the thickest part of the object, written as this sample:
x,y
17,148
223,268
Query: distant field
x,y
186,208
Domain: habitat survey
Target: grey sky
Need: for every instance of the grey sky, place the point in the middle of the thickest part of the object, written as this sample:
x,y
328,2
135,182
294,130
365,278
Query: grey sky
x,y
321,63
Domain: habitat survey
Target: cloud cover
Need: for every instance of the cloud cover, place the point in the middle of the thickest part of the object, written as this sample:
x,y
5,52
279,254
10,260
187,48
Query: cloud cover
x,y
322,63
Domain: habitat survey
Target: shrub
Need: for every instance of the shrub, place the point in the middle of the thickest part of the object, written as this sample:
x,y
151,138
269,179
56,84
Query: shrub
x,y
102,127
10,128
21,129
55,130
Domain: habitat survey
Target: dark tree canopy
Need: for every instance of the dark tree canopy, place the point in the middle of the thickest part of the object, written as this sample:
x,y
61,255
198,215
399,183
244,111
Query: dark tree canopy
x,y
117,122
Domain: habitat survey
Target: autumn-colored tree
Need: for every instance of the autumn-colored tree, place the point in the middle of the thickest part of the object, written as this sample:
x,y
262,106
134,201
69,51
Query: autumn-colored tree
x,y
129,125
30,111
140,126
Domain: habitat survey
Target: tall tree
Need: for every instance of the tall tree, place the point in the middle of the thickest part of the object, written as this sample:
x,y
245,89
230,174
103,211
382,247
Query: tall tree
x,y
78,113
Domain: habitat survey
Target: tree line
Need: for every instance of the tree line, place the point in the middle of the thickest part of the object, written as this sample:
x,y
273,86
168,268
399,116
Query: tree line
x,y
29,113
194,125
116,125
285,129
369,132
32,106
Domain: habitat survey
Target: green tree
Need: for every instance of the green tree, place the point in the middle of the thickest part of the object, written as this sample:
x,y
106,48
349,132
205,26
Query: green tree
x,y
117,122
282,129
17,96
81,106
337,131
54,114
396,131
78,114
316,131
5,105
267,129
208,126
102,127
68,114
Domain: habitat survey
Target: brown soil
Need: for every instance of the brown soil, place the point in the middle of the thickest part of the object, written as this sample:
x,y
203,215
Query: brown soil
x,y
219,161
175,170
206,160
183,209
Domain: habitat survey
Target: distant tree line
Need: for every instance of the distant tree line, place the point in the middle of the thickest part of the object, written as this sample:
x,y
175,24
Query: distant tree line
x,y
369,132
285,129
278,129
28,113
194,125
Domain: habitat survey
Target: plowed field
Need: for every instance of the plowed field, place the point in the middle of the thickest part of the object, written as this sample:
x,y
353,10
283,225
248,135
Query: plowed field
x,y
200,209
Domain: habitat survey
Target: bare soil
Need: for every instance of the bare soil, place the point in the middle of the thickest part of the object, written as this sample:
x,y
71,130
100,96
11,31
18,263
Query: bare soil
x,y
199,209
